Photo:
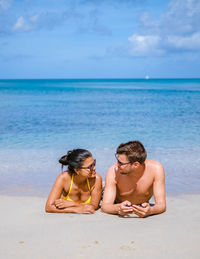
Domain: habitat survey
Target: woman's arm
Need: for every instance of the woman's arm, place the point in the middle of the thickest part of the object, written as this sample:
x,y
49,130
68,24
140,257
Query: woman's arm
x,y
96,192
56,192
81,208
55,204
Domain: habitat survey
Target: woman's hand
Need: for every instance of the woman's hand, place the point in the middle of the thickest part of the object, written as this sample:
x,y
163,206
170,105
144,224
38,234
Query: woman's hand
x,y
87,209
61,204
81,208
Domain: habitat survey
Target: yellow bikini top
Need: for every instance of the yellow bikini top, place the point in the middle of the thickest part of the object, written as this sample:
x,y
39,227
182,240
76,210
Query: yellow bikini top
x,y
67,198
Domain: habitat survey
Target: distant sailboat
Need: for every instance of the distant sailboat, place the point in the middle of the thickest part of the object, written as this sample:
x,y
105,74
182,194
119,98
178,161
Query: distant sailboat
x,y
146,77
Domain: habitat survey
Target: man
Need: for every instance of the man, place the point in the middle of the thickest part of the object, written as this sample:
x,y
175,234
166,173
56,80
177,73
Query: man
x,y
132,181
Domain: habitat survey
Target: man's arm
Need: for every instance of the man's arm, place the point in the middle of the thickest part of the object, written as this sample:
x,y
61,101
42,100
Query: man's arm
x,y
159,191
109,196
159,195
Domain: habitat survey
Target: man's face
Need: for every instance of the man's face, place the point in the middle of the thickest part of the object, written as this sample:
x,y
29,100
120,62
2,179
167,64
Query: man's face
x,y
123,164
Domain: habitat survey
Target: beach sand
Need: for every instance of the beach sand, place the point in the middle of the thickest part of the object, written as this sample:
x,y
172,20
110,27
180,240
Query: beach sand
x,y
26,231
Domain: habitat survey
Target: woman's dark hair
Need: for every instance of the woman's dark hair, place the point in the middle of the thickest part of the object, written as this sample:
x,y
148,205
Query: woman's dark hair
x,y
134,150
74,159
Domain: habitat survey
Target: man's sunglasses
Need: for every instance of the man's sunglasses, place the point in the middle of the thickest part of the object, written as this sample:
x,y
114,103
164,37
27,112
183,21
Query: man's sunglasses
x,y
119,162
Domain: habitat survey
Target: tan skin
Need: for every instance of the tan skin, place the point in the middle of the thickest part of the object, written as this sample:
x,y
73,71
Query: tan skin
x,y
129,186
79,192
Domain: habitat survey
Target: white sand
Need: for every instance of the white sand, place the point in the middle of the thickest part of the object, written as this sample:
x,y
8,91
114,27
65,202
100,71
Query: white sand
x,y
26,231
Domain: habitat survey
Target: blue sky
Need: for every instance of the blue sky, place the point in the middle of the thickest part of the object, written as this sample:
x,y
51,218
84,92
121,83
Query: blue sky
x,y
99,39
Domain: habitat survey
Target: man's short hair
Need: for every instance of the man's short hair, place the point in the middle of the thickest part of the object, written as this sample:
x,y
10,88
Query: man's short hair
x,y
134,150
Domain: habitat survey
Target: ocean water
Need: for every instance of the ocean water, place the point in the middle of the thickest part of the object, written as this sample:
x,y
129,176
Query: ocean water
x,y
41,119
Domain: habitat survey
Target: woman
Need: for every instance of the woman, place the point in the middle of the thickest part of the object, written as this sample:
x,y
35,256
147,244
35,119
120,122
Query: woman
x,y
77,190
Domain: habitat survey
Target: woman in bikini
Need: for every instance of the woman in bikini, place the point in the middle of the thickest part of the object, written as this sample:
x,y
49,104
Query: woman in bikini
x,y
77,190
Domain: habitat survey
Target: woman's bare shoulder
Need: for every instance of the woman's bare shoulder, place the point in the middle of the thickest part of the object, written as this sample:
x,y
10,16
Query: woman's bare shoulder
x,y
64,176
96,179
98,176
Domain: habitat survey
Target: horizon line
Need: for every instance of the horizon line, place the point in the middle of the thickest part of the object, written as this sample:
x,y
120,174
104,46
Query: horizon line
x,y
97,78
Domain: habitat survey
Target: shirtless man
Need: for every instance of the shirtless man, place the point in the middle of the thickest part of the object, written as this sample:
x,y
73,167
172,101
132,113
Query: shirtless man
x,y
132,181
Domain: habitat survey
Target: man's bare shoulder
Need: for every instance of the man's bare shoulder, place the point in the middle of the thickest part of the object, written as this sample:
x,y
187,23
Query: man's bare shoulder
x,y
111,170
153,163
155,166
111,174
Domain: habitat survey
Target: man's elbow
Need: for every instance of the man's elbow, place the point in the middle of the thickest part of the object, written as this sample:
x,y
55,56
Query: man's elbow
x,y
163,208
104,208
158,208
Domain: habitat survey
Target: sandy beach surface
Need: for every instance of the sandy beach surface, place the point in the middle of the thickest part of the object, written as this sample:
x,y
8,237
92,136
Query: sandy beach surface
x,y
26,231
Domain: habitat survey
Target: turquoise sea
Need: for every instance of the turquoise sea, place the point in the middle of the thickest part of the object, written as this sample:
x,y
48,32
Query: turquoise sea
x,y
41,119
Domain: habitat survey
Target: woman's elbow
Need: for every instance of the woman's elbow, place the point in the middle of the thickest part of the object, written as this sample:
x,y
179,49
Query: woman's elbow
x,y
48,208
97,206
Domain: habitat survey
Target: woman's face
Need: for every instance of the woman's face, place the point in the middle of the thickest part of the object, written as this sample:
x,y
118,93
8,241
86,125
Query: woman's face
x,y
88,168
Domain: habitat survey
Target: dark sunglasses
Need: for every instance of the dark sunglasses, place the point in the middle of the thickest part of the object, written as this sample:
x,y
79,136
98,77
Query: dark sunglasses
x,y
119,162
90,167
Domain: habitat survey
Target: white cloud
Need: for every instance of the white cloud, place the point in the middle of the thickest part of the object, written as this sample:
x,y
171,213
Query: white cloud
x,y
182,16
34,18
144,45
191,42
21,25
24,25
175,30
5,4
87,20
46,20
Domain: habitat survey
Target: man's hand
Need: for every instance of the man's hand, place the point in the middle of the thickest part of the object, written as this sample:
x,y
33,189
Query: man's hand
x,y
142,210
125,208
